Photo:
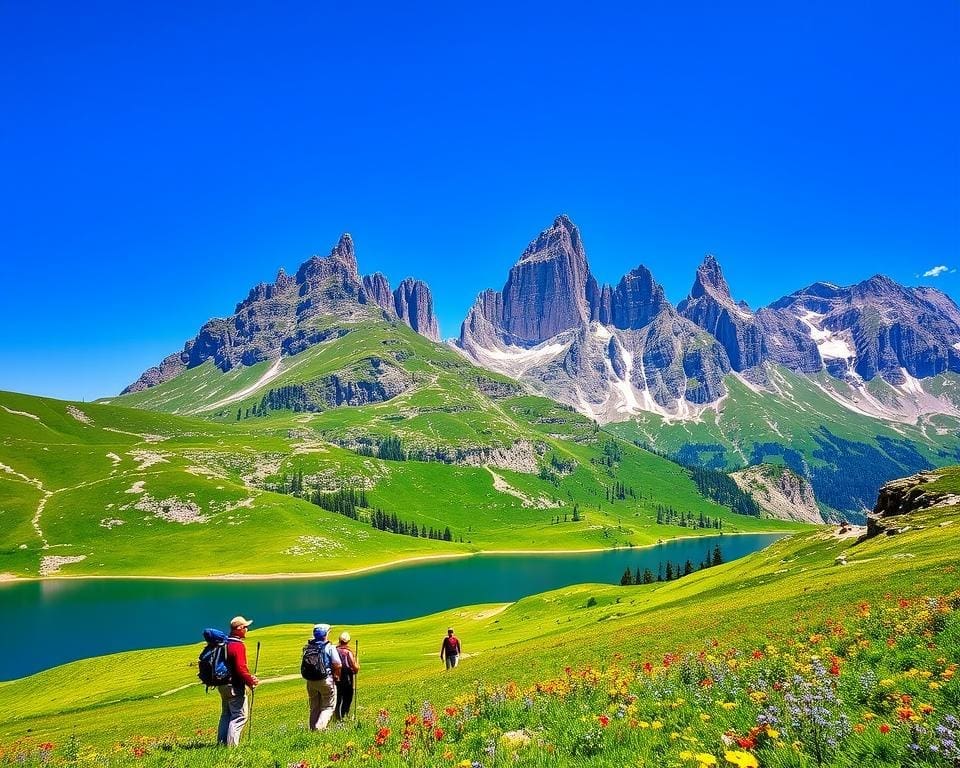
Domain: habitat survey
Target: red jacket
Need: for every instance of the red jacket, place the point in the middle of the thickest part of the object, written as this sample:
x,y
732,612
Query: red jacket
x,y
237,661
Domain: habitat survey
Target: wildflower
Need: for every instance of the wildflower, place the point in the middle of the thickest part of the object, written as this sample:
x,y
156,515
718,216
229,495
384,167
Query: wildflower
x,y
139,752
656,725
741,759
438,734
46,747
604,721
705,759
884,728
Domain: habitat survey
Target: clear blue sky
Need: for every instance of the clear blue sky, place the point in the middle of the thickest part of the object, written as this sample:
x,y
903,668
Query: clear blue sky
x,y
156,163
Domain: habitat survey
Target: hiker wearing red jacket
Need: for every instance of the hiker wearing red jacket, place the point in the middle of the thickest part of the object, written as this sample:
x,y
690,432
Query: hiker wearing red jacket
x,y
235,706
450,649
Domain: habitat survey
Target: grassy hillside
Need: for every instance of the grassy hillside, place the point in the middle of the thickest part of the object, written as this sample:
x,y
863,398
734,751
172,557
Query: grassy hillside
x,y
655,675
846,456
95,489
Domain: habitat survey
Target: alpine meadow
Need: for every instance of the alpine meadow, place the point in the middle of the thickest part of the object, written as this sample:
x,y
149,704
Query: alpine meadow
x,y
621,429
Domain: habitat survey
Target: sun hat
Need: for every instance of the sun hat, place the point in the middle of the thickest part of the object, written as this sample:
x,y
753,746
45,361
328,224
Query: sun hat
x,y
239,621
450,630
344,637
320,631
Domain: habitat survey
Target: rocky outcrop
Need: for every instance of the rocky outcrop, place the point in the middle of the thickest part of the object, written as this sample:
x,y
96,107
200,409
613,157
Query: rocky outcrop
x,y
906,495
781,493
275,318
413,304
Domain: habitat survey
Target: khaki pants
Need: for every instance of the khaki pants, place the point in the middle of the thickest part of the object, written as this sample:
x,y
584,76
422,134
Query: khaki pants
x,y
233,715
322,695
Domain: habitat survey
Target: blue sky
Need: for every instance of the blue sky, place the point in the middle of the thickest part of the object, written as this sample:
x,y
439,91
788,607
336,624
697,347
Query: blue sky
x,y
158,162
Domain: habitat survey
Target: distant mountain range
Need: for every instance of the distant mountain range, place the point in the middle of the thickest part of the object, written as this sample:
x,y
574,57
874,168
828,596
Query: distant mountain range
x,y
613,352
848,387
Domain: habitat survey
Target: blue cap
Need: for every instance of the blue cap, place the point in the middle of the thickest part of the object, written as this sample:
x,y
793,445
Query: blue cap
x,y
320,631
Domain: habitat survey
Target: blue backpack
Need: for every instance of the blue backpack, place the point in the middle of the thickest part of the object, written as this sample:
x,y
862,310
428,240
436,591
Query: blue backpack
x,y
212,666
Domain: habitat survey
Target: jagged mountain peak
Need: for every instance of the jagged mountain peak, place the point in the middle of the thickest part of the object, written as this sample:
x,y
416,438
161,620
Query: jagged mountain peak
x,y
710,279
562,238
276,318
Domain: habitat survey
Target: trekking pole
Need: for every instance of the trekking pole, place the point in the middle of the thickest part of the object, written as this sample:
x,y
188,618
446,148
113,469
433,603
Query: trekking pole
x,y
253,692
356,655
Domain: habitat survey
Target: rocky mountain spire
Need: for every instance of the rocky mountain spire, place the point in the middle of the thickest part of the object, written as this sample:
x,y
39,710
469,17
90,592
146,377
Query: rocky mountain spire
x,y
711,307
413,304
546,292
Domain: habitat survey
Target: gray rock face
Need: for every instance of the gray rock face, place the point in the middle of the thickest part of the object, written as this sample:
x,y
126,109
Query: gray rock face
x,y
780,492
545,293
608,351
376,290
413,304
273,319
880,328
711,307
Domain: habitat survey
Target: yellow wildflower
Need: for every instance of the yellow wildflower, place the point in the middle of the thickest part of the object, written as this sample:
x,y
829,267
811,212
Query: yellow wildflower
x,y
741,759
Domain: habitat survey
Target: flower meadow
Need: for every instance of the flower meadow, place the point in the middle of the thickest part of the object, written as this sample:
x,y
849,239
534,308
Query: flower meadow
x,y
876,686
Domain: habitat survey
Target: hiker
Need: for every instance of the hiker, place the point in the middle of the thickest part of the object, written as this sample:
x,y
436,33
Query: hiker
x,y
320,667
349,666
235,706
450,649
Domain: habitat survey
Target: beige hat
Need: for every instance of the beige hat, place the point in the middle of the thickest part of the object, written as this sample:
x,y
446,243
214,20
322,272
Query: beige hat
x,y
239,621
344,637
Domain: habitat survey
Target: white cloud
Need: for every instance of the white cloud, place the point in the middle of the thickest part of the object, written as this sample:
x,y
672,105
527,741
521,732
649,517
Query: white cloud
x,y
935,272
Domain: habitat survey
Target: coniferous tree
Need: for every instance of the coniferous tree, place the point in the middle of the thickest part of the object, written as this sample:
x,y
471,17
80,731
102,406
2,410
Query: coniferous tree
x,y
647,576
627,579
687,568
669,576
717,556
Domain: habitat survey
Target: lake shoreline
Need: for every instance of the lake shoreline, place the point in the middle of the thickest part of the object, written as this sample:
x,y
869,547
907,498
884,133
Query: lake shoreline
x,y
7,578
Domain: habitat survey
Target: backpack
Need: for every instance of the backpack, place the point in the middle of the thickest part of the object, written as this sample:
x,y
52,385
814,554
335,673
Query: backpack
x,y
346,673
213,668
313,666
452,645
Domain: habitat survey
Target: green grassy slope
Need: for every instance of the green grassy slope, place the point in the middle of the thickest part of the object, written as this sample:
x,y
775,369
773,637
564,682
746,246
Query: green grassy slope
x,y
94,489
754,602
846,455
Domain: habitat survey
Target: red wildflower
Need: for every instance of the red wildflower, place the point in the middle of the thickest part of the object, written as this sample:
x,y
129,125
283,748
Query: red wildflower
x,y
139,752
450,711
746,743
648,667
757,654
706,682
405,746
884,728
604,721
382,735
835,666
438,734
46,746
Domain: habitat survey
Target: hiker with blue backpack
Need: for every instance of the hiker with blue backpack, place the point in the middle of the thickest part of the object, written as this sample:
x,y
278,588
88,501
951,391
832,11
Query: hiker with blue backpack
x,y
223,665
320,666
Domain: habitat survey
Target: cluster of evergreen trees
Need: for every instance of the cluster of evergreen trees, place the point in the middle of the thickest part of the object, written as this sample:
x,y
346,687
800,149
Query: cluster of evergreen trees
x,y
290,397
384,521
389,449
612,454
670,516
618,492
344,502
720,487
670,571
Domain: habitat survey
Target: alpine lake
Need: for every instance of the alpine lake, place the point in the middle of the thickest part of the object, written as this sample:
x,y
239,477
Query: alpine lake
x,y
53,621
